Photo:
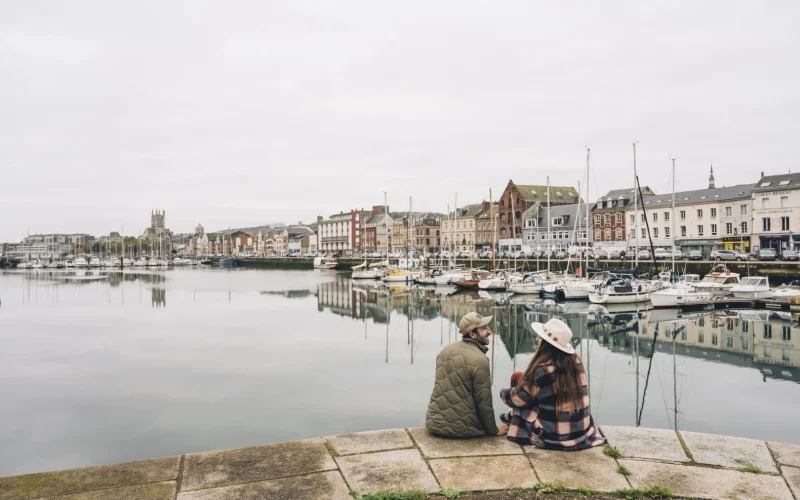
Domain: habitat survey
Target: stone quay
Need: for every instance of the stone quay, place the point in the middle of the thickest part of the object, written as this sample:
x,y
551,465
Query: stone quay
x,y
688,464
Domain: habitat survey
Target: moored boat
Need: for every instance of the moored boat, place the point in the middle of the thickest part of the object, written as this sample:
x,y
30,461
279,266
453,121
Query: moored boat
x,y
752,287
325,263
788,292
618,290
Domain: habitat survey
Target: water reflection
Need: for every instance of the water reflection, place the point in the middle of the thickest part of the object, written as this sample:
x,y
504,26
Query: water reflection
x,y
756,339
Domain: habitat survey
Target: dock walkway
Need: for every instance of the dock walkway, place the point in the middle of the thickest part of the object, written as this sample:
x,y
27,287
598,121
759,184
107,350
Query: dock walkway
x,y
689,464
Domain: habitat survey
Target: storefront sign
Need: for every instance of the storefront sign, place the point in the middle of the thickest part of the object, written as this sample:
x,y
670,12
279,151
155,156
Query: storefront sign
x,y
775,211
708,242
772,193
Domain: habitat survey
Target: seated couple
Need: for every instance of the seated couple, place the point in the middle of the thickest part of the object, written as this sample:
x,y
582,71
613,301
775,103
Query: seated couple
x,y
549,401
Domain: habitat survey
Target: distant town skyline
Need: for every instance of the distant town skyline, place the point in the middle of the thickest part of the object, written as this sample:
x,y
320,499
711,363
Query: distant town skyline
x,y
270,113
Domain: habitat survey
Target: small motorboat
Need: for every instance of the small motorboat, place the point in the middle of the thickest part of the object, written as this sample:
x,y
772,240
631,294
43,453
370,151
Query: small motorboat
x,y
752,287
788,292
719,281
398,275
472,279
325,263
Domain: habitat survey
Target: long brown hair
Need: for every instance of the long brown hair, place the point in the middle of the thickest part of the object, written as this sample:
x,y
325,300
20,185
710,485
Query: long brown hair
x,y
568,386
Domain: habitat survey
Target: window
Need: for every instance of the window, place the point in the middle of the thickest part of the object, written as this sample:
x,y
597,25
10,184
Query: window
x,y
558,221
644,219
619,218
784,223
666,216
784,201
655,216
786,334
619,234
683,214
683,230
713,213
744,227
608,235
743,209
607,218
699,213
597,219
728,211
767,331
655,232
714,339
701,338
644,233
700,230
713,229
764,202
633,220
666,232
597,235
728,227
765,224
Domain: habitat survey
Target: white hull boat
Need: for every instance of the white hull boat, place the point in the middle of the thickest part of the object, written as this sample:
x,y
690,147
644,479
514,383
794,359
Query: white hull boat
x,y
620,291
140,263
95,262
325,263
718,282
679,296
752,287
787,293
80,262
400,276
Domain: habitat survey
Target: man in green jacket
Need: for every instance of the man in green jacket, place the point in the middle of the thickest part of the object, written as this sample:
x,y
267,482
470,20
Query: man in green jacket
x,y
461,402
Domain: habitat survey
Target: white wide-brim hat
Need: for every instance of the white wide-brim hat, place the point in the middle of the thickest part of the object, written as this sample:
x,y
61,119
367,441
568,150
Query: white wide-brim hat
x,y
557,333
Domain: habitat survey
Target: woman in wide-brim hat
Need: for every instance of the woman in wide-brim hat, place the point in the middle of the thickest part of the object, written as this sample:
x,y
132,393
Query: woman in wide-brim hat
x,y
550,400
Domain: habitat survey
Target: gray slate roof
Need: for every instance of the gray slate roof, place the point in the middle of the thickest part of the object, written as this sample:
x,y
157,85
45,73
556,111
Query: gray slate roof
x,y
566,211
741,191
781,181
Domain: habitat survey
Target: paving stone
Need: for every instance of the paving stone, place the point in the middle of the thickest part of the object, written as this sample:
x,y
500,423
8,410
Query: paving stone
x,y
728,451
636,442
786,454
365,442
792,475
152,491
438,447
256,463
484,473
577,469
705,482
396,471
324,485
70,481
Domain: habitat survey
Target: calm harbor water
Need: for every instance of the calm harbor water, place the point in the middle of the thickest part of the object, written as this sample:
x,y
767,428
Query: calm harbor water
x,y
146,364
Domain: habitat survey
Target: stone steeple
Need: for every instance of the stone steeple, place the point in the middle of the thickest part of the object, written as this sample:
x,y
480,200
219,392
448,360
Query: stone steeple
x,y
711,178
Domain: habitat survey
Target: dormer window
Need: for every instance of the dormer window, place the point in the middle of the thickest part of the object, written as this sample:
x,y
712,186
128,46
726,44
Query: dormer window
x,y
765,184
783,183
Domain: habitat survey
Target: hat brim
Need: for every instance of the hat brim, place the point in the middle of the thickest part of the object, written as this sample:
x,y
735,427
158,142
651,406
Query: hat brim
x,y
538,329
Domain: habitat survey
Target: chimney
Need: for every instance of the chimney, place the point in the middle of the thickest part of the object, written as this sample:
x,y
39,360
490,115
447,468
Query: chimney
x,y
762,175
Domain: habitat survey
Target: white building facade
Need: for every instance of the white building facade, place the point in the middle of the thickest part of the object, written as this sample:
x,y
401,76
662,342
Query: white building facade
x,y
705,220
776,212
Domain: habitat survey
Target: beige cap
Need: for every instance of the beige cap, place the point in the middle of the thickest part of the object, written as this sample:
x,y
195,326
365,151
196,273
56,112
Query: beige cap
x,y
471,321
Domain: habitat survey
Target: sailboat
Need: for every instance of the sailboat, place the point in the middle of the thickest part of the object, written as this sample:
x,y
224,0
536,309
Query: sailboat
x,y
366,272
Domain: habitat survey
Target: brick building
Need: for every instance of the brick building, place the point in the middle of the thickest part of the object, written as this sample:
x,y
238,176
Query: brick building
x,y
608,217
525,197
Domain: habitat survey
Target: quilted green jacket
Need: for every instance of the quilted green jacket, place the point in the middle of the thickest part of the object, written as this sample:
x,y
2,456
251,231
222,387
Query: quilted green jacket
x,y
461,402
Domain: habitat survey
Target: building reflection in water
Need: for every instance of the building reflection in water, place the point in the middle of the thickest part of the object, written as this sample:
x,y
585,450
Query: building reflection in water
x,y
159,297
762,340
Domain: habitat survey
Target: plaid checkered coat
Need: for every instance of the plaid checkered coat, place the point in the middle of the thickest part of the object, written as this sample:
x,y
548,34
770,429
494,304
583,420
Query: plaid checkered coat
x,y
536,421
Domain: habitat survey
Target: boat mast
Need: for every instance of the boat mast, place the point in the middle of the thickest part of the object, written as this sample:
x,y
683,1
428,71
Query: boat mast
x,y
386,226
587,226
635,207
491,217
455,220
549,234
673,217
513,231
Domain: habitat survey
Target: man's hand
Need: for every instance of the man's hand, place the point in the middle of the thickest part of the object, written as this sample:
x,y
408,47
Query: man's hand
x,y
502,430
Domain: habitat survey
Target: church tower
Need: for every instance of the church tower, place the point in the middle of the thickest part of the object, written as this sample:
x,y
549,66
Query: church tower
x,y
711,178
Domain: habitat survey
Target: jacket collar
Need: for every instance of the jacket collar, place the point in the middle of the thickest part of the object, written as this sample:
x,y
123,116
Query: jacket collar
x,y
482,347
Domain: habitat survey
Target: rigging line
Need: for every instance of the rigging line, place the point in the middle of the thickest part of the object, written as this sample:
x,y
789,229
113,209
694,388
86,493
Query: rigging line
x,y
663,396
647,378
603,381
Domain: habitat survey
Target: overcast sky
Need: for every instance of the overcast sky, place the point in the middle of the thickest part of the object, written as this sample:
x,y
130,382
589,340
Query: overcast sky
x,y
236,114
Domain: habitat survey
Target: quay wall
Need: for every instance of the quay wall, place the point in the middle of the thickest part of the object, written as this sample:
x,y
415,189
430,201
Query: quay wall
x,y
682,463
